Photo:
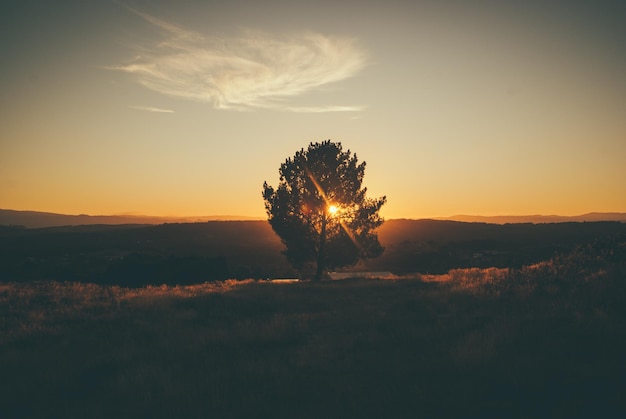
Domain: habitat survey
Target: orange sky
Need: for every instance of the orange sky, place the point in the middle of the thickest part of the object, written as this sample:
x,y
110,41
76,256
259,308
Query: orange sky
x,y
159,109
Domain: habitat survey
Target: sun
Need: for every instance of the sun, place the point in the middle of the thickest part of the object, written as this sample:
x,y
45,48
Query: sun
x,y
332,209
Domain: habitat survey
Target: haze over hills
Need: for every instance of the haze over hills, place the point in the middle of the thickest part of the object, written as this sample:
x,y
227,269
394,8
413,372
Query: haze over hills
x,y
538,219
36,219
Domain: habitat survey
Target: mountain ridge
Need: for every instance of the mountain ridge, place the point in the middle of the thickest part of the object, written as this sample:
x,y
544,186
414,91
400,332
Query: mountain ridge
x,y
38,219
537,218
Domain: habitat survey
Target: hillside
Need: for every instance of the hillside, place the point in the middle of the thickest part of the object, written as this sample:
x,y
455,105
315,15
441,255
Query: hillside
x,y
544,341
504,219
36,219
137,255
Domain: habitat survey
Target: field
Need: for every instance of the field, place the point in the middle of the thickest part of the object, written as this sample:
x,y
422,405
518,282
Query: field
x,y
544,340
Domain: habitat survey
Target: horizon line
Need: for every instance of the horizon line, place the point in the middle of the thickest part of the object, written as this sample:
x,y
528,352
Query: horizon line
x,y
227,217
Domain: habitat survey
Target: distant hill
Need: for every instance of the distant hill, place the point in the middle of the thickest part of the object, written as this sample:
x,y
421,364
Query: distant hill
x,y
435,246
184,253
538,219
35,219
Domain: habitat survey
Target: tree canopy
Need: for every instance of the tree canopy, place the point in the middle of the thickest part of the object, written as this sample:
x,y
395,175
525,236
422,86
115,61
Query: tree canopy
x,y
320,209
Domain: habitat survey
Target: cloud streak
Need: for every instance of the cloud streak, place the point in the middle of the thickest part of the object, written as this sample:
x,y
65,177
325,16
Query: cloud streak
x,y
252,71
151,109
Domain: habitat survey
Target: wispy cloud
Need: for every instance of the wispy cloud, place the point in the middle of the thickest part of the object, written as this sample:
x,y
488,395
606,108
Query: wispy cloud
x,y
151,109
319,109
254,70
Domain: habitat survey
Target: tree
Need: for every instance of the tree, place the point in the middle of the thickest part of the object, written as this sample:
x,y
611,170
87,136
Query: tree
x,y
320,209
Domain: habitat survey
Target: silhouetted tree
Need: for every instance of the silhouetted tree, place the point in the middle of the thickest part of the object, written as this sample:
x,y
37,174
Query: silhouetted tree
x,y
320,210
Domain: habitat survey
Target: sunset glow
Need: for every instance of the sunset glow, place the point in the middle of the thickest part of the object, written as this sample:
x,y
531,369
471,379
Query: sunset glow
x,y
332,209
494,108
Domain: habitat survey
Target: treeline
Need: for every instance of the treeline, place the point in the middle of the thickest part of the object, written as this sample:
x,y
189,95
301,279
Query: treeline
x,y
137,255
435,247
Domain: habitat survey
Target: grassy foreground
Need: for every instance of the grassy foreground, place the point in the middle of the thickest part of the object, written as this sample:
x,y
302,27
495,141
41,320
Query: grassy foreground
x,y
548,340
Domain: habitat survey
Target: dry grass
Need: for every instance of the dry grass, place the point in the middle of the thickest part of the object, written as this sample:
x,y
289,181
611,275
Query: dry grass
x,y
30,308
544,341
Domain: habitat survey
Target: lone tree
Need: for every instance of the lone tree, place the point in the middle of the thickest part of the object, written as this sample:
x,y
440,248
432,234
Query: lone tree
x,y
320,210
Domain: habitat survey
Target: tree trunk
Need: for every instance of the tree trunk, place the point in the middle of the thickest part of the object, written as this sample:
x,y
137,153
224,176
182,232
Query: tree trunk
x,y
321,252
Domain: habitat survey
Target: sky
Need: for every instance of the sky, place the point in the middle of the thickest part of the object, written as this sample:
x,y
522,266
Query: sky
x,y
185,108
